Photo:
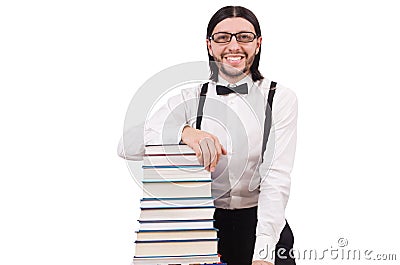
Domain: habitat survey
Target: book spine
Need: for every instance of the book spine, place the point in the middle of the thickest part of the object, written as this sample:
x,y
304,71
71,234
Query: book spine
x,y
174,166
176,241
178,207
178,199
171,181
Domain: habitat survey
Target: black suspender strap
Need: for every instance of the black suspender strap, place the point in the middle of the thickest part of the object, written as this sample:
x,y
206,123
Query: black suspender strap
x,y
268,117
271,93
200,108
268,112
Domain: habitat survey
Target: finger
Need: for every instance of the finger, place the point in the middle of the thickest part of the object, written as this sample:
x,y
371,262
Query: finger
x,y
205,153
213,154
224,152
196,148
218,149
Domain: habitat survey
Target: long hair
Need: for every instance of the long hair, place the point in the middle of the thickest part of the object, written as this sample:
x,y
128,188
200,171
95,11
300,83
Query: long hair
x,y
229,12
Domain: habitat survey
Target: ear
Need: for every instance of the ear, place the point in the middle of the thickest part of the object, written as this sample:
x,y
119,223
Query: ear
x,y
259,41
209,47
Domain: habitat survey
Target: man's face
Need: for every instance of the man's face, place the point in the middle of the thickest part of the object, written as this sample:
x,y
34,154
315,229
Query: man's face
x,y
235,57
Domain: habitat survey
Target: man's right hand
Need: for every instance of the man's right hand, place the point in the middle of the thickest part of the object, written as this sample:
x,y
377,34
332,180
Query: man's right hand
x,y
207,146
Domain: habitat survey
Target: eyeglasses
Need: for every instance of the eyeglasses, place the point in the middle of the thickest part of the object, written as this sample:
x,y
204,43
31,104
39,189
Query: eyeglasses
x,y
225,37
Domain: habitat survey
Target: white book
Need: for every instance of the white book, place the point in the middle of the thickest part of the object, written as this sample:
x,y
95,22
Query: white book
x,y
176,189
176,159
176,224
176,202
184,213
175,172
175,247
178,234
182,260
168,149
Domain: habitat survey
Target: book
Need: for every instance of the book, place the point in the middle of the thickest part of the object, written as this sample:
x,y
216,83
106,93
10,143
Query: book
x,y
176,188
175,247
175,172
182,260
176,234
177,213
176,224
176,202
171,159
169,149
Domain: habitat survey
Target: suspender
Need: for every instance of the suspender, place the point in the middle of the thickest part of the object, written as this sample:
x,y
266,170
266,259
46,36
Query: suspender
x,y
268,118
200,108
268,112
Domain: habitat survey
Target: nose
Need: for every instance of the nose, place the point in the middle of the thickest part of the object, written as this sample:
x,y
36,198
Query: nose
x,y
233,45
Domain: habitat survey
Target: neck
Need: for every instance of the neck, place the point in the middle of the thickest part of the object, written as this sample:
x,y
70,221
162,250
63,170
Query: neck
x,y
232,79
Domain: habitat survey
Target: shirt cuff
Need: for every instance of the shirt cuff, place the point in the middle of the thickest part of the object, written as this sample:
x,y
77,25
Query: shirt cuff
x,y
264,249
180,132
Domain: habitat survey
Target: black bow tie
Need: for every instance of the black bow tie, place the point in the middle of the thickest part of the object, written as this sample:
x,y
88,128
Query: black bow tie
x,y
223,90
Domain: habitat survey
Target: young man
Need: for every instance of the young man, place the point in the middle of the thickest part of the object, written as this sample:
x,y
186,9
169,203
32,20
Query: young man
x,y
234,43
224,122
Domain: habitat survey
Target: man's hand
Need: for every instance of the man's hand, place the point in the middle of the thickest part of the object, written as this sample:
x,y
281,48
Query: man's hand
x,y
207,146
261,262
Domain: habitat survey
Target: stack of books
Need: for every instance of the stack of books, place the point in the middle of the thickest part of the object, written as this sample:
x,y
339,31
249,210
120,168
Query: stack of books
x,y
176,217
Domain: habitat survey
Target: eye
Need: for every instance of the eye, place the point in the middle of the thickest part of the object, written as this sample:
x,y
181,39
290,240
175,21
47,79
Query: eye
x,y
221,37
245,37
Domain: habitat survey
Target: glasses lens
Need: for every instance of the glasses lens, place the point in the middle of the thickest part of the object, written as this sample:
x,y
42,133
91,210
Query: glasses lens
x,y
221,37
245,37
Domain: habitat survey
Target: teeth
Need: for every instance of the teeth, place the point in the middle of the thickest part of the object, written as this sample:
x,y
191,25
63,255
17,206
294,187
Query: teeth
x,y
233,58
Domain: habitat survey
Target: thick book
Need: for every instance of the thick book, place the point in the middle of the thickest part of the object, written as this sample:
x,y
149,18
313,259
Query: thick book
x,y
175,172
175,247
176,189
176,202
169,149
176,224
171,159
176,234
177,213
182,260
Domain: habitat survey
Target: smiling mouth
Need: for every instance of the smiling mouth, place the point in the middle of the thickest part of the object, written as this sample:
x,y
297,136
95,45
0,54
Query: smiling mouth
x,y
233,59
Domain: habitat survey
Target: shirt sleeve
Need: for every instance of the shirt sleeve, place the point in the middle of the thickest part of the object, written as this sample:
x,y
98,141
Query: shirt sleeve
x,y
275,175
165,125
131,145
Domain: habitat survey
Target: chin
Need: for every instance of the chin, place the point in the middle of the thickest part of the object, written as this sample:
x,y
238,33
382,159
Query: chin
x,y
234,72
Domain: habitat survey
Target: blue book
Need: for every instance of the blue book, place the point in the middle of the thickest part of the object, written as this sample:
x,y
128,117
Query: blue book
x,y
176,224
184,260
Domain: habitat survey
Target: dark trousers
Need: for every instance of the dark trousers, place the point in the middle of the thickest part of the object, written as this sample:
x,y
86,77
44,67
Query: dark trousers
x,y
237,235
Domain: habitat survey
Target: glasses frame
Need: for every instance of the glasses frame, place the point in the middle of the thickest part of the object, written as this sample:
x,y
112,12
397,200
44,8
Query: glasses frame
x,y
233,34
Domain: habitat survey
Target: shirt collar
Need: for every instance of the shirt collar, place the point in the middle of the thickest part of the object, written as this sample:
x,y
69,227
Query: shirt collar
x,y
247,79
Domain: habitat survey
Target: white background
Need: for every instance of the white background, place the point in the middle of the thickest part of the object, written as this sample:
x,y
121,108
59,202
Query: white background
x,y
68,70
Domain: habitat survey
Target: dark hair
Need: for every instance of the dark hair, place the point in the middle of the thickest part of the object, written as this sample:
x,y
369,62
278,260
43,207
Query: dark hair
x,y
229,12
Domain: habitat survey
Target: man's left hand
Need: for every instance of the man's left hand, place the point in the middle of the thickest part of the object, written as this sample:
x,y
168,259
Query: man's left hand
x,y
261,262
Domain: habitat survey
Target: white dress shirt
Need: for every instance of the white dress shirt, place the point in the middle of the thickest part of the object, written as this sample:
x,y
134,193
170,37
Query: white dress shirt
x,y
240,179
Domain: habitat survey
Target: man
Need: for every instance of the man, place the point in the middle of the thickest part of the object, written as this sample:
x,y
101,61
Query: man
x,y
224,122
